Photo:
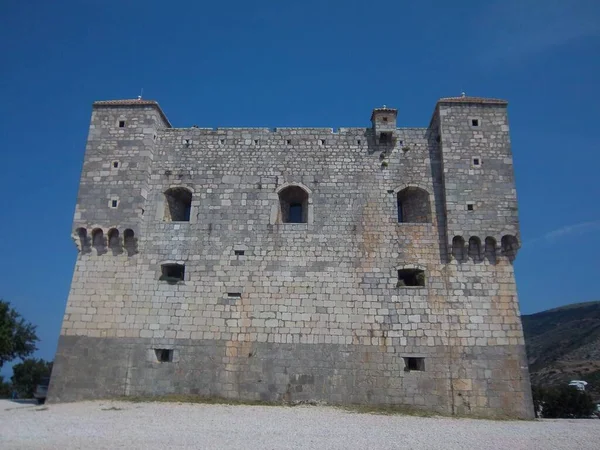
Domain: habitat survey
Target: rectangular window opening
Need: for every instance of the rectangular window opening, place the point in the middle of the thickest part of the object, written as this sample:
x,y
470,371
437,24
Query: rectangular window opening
x,y
172,273
470,207
163,354
475,122
238,252
234,294
289,142
385,119
414,364
116,164
358,142
321,141
385,138
411,278
256,142
475,161
121,124
114,203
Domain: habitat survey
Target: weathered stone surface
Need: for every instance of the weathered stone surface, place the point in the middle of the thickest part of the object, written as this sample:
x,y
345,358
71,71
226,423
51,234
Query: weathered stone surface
x,y
298,311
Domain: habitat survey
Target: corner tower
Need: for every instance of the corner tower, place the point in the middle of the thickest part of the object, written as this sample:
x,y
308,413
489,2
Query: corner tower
x,y
485,336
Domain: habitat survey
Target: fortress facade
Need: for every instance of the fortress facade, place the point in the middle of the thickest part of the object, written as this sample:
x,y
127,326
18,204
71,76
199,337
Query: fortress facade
x,y
358,266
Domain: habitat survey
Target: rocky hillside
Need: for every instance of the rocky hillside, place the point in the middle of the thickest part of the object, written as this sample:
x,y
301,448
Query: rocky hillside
x,y
563,344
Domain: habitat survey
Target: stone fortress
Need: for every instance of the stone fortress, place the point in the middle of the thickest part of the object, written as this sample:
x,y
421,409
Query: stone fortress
x,y
358,266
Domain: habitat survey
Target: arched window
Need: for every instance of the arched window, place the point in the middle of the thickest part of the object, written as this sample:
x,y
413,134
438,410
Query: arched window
x,y
129,241
293,205
178,204
98,239
490,249
113,239
475,248
510,245
458,248
83,239
413,205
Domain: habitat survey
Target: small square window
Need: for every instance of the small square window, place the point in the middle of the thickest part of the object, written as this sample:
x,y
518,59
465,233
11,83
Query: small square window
x,y
475,122
476,161
321,141
114,203
121,124
385,138
385,119
414,364
234,294
238,252
289,142
163,354
115,164
470,207
172,273
256,141
221,141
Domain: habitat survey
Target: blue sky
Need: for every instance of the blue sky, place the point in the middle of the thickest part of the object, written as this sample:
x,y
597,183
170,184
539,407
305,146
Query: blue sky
x,y
308,63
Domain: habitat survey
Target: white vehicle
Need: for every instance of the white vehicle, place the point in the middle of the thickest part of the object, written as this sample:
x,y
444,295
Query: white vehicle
x,y
579,384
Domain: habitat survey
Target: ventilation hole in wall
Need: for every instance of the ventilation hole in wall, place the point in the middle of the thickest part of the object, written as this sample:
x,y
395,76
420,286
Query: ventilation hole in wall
x,y
163,354
411,278
115,164
187,142
390,191
470,207
476,161
154,137
114,203
239,252
414,364
234,294
221,141
321,141
289,142
475,122
256,142
172,273
358,142
121,124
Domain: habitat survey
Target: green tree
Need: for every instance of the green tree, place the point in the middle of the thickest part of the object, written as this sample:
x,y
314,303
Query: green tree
x,y
17,337
28,374
5,388
562,402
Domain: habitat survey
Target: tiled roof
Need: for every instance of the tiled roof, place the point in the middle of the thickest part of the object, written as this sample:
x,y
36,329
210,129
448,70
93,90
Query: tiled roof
x,y
479,100
133,102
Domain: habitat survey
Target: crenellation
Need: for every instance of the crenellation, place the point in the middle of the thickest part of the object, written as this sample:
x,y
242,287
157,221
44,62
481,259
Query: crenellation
x,y
293,243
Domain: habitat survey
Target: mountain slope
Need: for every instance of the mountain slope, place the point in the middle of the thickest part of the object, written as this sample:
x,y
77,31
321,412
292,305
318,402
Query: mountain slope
x,y
564,344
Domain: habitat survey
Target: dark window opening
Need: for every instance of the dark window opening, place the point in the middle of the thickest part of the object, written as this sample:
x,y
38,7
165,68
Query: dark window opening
x,y
255,141
163,355
385,119
293,204
411,278
114,203
179,205
413,206
121,124
470,207
475,122
385,138
116,164
98,238
414,364
187,142
234,294
475,161
458,248
289,142
474,248
358,142
295,213
322,141
172,273
238,252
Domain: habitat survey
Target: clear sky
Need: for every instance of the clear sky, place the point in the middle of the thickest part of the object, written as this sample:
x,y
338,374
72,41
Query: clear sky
x,y
298,63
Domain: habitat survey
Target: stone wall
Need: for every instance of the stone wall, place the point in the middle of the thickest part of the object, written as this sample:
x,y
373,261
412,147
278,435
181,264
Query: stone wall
x,y
288,311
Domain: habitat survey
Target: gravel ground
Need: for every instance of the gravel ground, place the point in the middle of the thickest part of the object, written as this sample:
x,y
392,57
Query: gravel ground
x,y
112,425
